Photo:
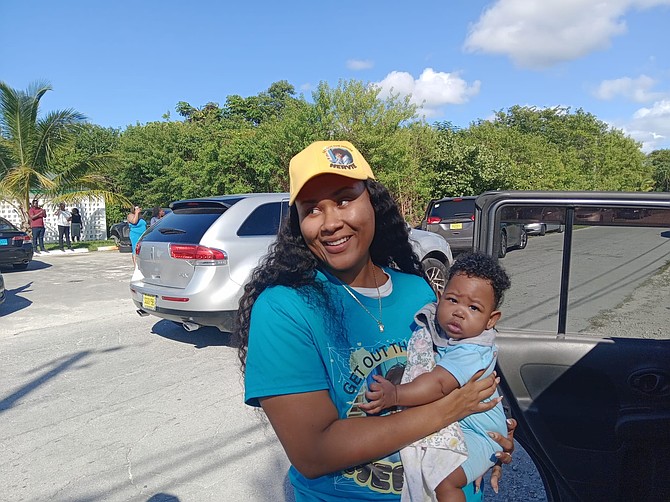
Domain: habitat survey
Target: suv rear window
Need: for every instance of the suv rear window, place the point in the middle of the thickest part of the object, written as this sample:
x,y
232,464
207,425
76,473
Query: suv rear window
x,y
187,222
453,208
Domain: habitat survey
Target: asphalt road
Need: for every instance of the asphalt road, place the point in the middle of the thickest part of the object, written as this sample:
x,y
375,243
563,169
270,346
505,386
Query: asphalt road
x,y
97,403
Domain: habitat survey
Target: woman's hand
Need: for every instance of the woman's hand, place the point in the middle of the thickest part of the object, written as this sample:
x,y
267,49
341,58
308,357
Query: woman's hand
x,y
504,457
470,397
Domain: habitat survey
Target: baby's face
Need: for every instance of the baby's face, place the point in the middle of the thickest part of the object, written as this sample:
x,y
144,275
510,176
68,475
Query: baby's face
x,y
467,307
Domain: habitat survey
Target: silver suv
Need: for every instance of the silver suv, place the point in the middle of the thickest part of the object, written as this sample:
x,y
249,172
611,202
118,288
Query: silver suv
x,y
193,264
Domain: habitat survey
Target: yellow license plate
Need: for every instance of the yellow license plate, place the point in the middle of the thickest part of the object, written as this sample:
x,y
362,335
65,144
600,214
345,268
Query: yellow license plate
x,y
149,302
455,226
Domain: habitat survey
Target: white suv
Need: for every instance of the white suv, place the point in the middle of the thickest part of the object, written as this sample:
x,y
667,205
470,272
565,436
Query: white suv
x,y
193,264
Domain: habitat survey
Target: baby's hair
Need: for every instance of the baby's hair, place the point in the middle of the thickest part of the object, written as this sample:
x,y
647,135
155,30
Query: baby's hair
x,y
484,267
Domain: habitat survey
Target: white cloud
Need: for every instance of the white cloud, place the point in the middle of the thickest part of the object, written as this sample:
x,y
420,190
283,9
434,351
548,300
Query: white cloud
x,y
432,89
359,64
636,89
651,126
543,33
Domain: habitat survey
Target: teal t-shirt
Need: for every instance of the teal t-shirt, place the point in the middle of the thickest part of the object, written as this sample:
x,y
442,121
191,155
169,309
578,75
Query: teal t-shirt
x,y
292,349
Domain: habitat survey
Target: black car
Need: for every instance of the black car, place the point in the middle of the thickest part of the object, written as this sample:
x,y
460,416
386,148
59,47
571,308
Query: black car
x,y
16,248
120,232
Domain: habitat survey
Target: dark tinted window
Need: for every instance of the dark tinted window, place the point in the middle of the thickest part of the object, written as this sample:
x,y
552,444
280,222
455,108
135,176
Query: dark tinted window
x,y
264,220
184,225
619,272
540,214
453,208
7,226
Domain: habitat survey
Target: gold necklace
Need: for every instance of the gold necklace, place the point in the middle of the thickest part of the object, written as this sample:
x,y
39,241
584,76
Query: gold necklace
x,y
379,321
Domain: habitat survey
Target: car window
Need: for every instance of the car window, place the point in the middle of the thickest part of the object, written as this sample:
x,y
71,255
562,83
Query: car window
x,y
264,220
6,226
187,224
618,274
453,208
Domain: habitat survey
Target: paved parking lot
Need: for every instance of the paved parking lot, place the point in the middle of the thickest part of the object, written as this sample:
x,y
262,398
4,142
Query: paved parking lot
x,y
97,403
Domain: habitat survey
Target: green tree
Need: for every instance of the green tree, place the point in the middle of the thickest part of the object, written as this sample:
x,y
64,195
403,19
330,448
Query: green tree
x,y
262,107
28,145
659,165
605,158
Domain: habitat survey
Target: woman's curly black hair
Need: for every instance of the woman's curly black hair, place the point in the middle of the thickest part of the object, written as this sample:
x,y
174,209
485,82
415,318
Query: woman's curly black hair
x,y
484,267
290,263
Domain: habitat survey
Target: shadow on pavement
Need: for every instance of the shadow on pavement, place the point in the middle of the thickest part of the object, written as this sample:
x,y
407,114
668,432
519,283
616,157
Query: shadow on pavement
x,y
14,302
53,369
206,336
33,265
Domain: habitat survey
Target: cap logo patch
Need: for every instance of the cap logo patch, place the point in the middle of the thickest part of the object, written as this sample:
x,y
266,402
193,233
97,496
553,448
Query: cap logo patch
x,y
340,158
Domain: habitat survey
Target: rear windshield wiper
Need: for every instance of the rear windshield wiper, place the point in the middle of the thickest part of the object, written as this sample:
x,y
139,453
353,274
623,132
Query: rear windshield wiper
x,y
166,231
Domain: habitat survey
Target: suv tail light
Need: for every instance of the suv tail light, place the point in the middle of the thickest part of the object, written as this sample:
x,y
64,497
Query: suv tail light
x,y
200,254
433,219
472,217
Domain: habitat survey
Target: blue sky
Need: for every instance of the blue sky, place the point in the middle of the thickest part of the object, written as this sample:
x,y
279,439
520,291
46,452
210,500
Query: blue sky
x,y
130,61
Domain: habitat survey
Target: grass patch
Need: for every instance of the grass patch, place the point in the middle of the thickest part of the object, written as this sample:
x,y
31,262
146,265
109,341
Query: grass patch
x,y
90,245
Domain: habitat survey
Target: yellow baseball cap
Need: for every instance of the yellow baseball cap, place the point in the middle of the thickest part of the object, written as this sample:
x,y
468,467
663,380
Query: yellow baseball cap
x,y
326,157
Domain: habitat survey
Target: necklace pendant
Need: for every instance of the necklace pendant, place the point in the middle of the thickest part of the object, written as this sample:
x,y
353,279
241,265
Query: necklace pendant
x,y
381,327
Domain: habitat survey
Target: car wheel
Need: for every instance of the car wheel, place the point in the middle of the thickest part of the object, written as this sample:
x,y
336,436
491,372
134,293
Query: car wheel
x,y
20,266
436,273
543,229
503,245
524,240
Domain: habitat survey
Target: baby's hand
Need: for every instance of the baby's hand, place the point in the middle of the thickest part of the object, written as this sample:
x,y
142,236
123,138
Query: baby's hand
x,y
381,395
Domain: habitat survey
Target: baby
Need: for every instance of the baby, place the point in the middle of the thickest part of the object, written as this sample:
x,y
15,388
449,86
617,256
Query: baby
x,y
461,325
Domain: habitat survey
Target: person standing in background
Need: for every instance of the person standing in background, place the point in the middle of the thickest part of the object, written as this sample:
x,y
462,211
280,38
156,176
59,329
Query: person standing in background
x,y
76,225
156,214
137,227
37,215
63,221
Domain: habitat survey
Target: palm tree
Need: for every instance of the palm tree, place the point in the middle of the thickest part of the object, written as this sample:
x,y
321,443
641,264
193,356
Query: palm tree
x,y
27,147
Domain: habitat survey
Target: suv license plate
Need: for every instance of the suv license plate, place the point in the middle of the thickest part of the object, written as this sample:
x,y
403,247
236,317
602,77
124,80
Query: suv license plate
x,y
149,302
455,226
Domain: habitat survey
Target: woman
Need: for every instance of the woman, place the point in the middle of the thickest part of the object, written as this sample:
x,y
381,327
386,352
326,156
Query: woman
x,y
156,214
137,227
331,306
76,225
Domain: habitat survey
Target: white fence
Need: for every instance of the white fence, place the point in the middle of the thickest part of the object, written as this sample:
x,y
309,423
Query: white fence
x,y
92,215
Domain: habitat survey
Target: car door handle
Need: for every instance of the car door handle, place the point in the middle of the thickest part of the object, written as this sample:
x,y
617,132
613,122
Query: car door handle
x,y
651,382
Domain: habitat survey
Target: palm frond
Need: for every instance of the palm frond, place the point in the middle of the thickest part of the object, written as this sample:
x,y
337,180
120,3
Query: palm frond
x,y
23,179
92,165
19,112
76,197
6,158
54,129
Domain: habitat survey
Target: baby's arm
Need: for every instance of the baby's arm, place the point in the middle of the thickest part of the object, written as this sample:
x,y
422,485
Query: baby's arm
x,y
424,389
